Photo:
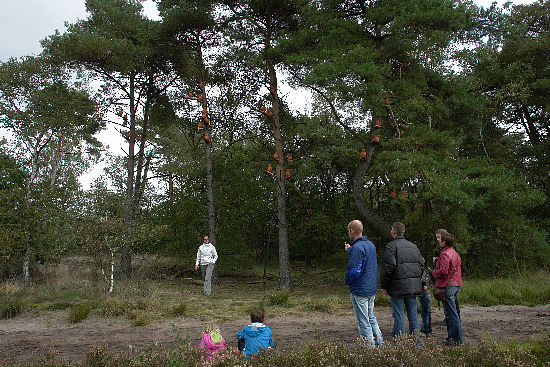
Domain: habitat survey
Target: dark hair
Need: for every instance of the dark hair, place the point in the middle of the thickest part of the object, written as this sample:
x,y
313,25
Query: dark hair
x,y
399,228
257,316
448,238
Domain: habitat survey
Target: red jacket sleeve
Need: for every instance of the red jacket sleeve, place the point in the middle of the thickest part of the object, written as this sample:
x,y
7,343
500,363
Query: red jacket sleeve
x,y
443,265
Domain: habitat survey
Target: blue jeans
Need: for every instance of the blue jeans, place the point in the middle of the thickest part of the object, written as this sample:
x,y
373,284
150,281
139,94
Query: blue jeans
x,y
454,328
363,307
425,313
398,314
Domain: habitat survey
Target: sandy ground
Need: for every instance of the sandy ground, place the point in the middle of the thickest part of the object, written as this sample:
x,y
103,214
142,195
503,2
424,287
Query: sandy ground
x,y
26,335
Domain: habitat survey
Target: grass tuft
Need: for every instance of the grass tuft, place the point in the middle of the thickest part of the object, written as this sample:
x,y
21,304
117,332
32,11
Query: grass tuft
x,y
280,298
11,308
78,313
179,310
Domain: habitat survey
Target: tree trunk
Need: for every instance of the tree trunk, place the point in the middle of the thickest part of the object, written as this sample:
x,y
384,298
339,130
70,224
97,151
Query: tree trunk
x,y
126,253
209,173
56,161
284,261
383,228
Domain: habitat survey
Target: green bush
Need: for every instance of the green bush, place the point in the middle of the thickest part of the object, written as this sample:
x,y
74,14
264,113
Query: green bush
x,y
114,306
278,299
78,313
178,310
10,309
140,317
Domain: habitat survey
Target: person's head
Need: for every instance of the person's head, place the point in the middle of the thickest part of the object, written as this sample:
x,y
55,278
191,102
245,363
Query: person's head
x,y
447,239
355,229
257,316
397,229
439,234
205,239
211,327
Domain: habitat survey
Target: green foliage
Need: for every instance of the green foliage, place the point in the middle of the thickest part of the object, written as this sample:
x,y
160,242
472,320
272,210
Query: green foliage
x,y
10,308
78,313
528,289
280,298
179,310
114,306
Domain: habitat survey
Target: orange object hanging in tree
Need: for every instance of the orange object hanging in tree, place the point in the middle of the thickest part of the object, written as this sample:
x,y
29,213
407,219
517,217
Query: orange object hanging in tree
x,y
204,113
207,138
363,153
119,112
378,123
289,158
276,156
287,174
190,94
201,85
269,169
387,100
201,126
269,112
263,109
393,194
309,211
127,135
376,139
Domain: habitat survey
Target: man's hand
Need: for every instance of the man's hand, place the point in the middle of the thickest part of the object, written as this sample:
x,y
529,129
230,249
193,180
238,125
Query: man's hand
x,y
346,246
196,267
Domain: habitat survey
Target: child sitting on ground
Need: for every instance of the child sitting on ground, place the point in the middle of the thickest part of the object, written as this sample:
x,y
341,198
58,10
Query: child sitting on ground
x,y
256,336
212,340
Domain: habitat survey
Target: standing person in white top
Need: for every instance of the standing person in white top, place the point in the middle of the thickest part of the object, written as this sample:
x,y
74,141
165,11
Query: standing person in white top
x,y
206,258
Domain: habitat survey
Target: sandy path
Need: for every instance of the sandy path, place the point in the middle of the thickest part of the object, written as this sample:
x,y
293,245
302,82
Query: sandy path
x,y
27,335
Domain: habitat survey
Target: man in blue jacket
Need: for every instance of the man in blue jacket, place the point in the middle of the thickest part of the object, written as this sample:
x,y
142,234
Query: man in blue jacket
x,y
362,279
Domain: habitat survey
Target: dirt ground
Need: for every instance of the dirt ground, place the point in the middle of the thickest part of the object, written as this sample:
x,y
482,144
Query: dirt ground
x,y
24,336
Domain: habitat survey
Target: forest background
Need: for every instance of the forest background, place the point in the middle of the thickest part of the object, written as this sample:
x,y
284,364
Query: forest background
x,y
431,112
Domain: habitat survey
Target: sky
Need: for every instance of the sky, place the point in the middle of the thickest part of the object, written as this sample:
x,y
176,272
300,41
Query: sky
x,y
23,23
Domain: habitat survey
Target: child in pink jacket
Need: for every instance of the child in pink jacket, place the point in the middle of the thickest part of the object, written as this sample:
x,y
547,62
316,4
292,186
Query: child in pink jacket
x,y
212,341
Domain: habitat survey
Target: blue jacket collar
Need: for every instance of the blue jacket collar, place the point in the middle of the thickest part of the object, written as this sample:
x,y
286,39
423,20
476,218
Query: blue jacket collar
x,y
362,238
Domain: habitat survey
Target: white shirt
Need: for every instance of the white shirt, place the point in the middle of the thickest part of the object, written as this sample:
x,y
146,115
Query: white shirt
x,y
206,254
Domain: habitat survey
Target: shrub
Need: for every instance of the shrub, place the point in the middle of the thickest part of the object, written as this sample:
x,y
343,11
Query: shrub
x,y
78,313
113,306
178,310
140,318
10,309
279,299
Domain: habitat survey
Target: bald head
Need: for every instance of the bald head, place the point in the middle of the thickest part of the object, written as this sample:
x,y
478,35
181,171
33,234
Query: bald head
x,y
355,229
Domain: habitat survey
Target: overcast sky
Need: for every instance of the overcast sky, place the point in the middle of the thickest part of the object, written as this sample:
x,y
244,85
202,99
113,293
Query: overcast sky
x,y
23,23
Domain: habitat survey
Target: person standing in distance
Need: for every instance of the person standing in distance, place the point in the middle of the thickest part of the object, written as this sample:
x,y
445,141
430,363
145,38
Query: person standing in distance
x,y
362,279
206,258
402,268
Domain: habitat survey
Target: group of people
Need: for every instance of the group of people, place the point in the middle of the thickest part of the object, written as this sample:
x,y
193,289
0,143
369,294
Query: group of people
x,y
251,340
403,278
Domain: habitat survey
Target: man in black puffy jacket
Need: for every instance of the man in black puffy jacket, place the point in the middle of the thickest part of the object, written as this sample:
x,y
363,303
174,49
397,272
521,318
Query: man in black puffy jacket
x,y
401,276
